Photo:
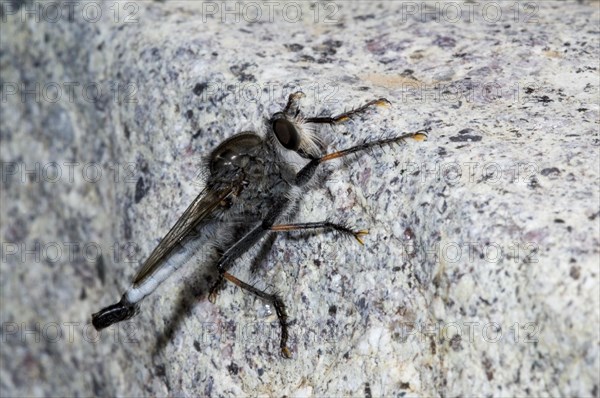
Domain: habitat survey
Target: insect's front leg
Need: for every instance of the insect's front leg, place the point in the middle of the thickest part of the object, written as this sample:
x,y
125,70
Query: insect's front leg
x,y
342,117
293,105
307,172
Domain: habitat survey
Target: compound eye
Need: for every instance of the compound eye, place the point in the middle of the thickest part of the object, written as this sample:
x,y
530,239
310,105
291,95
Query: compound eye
x,y
287,134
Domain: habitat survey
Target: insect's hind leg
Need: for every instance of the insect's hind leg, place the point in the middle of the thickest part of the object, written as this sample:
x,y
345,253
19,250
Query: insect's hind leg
x,y
277,303
242,245
343,117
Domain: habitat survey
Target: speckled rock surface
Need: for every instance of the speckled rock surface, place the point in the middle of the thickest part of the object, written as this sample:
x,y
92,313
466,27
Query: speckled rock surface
x,y
480,273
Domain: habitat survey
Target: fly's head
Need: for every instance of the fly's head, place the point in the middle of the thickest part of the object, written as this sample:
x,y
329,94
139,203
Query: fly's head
x,y
289,136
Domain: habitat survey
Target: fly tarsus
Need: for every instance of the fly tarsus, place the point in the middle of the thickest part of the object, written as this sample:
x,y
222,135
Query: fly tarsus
x,y
216,288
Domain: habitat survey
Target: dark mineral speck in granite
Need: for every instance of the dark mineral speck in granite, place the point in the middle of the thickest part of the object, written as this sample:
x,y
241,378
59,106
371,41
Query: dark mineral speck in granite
x,y
241,72
294,47
544,99
332,310
575,272
444,42
455,342
233,368
364,17
466,138
199,88
550,171
197,134
100,269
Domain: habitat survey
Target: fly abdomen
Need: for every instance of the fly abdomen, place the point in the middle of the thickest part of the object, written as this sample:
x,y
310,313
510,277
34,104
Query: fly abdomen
x,y
118,312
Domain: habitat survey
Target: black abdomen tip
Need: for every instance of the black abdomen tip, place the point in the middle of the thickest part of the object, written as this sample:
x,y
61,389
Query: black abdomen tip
x,y
113,314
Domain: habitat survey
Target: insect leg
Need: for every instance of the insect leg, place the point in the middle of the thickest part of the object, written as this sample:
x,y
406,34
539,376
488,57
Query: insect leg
x,y
293,105
342,117
277,303
244,244
240,247
326,225
247,241
307,172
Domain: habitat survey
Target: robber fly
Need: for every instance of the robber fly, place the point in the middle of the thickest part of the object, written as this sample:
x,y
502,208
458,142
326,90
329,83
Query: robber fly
x,y
256,181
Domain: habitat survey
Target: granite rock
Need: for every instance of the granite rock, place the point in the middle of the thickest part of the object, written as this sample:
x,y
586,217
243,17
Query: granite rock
x,y
480,273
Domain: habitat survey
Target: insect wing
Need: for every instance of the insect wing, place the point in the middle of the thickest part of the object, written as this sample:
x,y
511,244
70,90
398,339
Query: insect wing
x,y
202,206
